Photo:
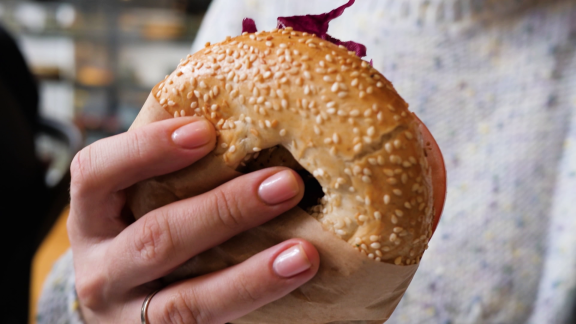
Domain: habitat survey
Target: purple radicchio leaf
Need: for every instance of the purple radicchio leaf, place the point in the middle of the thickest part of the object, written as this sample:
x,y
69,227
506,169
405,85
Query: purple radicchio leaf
x,y
371,64
248,25
318,25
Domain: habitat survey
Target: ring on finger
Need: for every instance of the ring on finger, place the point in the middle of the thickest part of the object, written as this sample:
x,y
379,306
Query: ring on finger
x,y
144,310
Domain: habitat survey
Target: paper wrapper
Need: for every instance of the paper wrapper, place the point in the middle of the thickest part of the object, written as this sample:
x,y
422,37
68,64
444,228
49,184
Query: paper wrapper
x,y
348,288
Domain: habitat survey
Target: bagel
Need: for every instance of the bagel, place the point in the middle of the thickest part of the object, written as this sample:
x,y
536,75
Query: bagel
x,y
336,116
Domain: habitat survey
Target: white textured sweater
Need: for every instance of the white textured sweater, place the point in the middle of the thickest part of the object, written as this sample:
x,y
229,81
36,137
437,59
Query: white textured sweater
x,y
495,81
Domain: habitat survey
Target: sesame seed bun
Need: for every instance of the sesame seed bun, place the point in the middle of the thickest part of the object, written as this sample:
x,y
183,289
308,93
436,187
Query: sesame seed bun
x,y
337,116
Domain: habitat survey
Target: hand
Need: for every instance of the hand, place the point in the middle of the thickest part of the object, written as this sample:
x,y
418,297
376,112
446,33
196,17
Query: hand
x,y
118,261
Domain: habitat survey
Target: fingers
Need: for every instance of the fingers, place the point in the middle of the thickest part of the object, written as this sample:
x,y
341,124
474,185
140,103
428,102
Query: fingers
x,y
236,291
167,237
102,169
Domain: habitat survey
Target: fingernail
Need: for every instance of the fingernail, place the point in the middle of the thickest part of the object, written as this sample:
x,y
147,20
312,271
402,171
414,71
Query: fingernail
x,y
278,188
192,135
291,262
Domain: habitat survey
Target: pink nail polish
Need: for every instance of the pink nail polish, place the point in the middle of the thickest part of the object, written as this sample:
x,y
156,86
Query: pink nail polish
x,y
291,262
279,188
192,135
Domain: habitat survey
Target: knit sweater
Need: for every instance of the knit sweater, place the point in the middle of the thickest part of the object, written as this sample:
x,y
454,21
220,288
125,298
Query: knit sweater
x,y
495,82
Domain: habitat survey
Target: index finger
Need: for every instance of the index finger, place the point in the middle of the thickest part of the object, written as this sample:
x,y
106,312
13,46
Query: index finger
x,y
112,164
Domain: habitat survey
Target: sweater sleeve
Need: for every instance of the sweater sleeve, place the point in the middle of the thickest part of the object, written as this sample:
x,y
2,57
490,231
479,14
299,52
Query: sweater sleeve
x,y
58,302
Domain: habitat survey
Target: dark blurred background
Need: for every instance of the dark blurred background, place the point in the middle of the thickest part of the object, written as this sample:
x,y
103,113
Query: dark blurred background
x,y
96,61
71,72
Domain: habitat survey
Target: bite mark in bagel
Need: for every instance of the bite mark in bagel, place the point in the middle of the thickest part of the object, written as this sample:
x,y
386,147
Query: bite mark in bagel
x,y
337,116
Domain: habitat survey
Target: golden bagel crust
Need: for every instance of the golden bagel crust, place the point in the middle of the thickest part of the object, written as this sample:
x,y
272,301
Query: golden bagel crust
x,y
339,118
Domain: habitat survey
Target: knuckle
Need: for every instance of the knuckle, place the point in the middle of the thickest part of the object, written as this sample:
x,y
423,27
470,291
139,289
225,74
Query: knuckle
x,y
183,308
247,293
229,211
89,289
154,241
136,145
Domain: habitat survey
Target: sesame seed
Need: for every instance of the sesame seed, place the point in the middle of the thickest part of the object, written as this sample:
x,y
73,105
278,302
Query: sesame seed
x,y
398,260
375,245
256,149
362,94
328,78
282,132
393,237
392,181
388,147
336,138
386,199
371,131
334,87
203,85
354,113
362,218
377,215
366,179
399,213
369,90
171,103
394,219
358,147
341,232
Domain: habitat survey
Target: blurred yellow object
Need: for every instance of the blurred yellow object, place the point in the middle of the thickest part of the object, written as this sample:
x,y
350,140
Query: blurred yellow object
x,y
94,76
162,31
53,246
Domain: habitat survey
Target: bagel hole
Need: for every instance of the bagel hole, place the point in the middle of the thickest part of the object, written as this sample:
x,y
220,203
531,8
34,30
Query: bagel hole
x,y
279,156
